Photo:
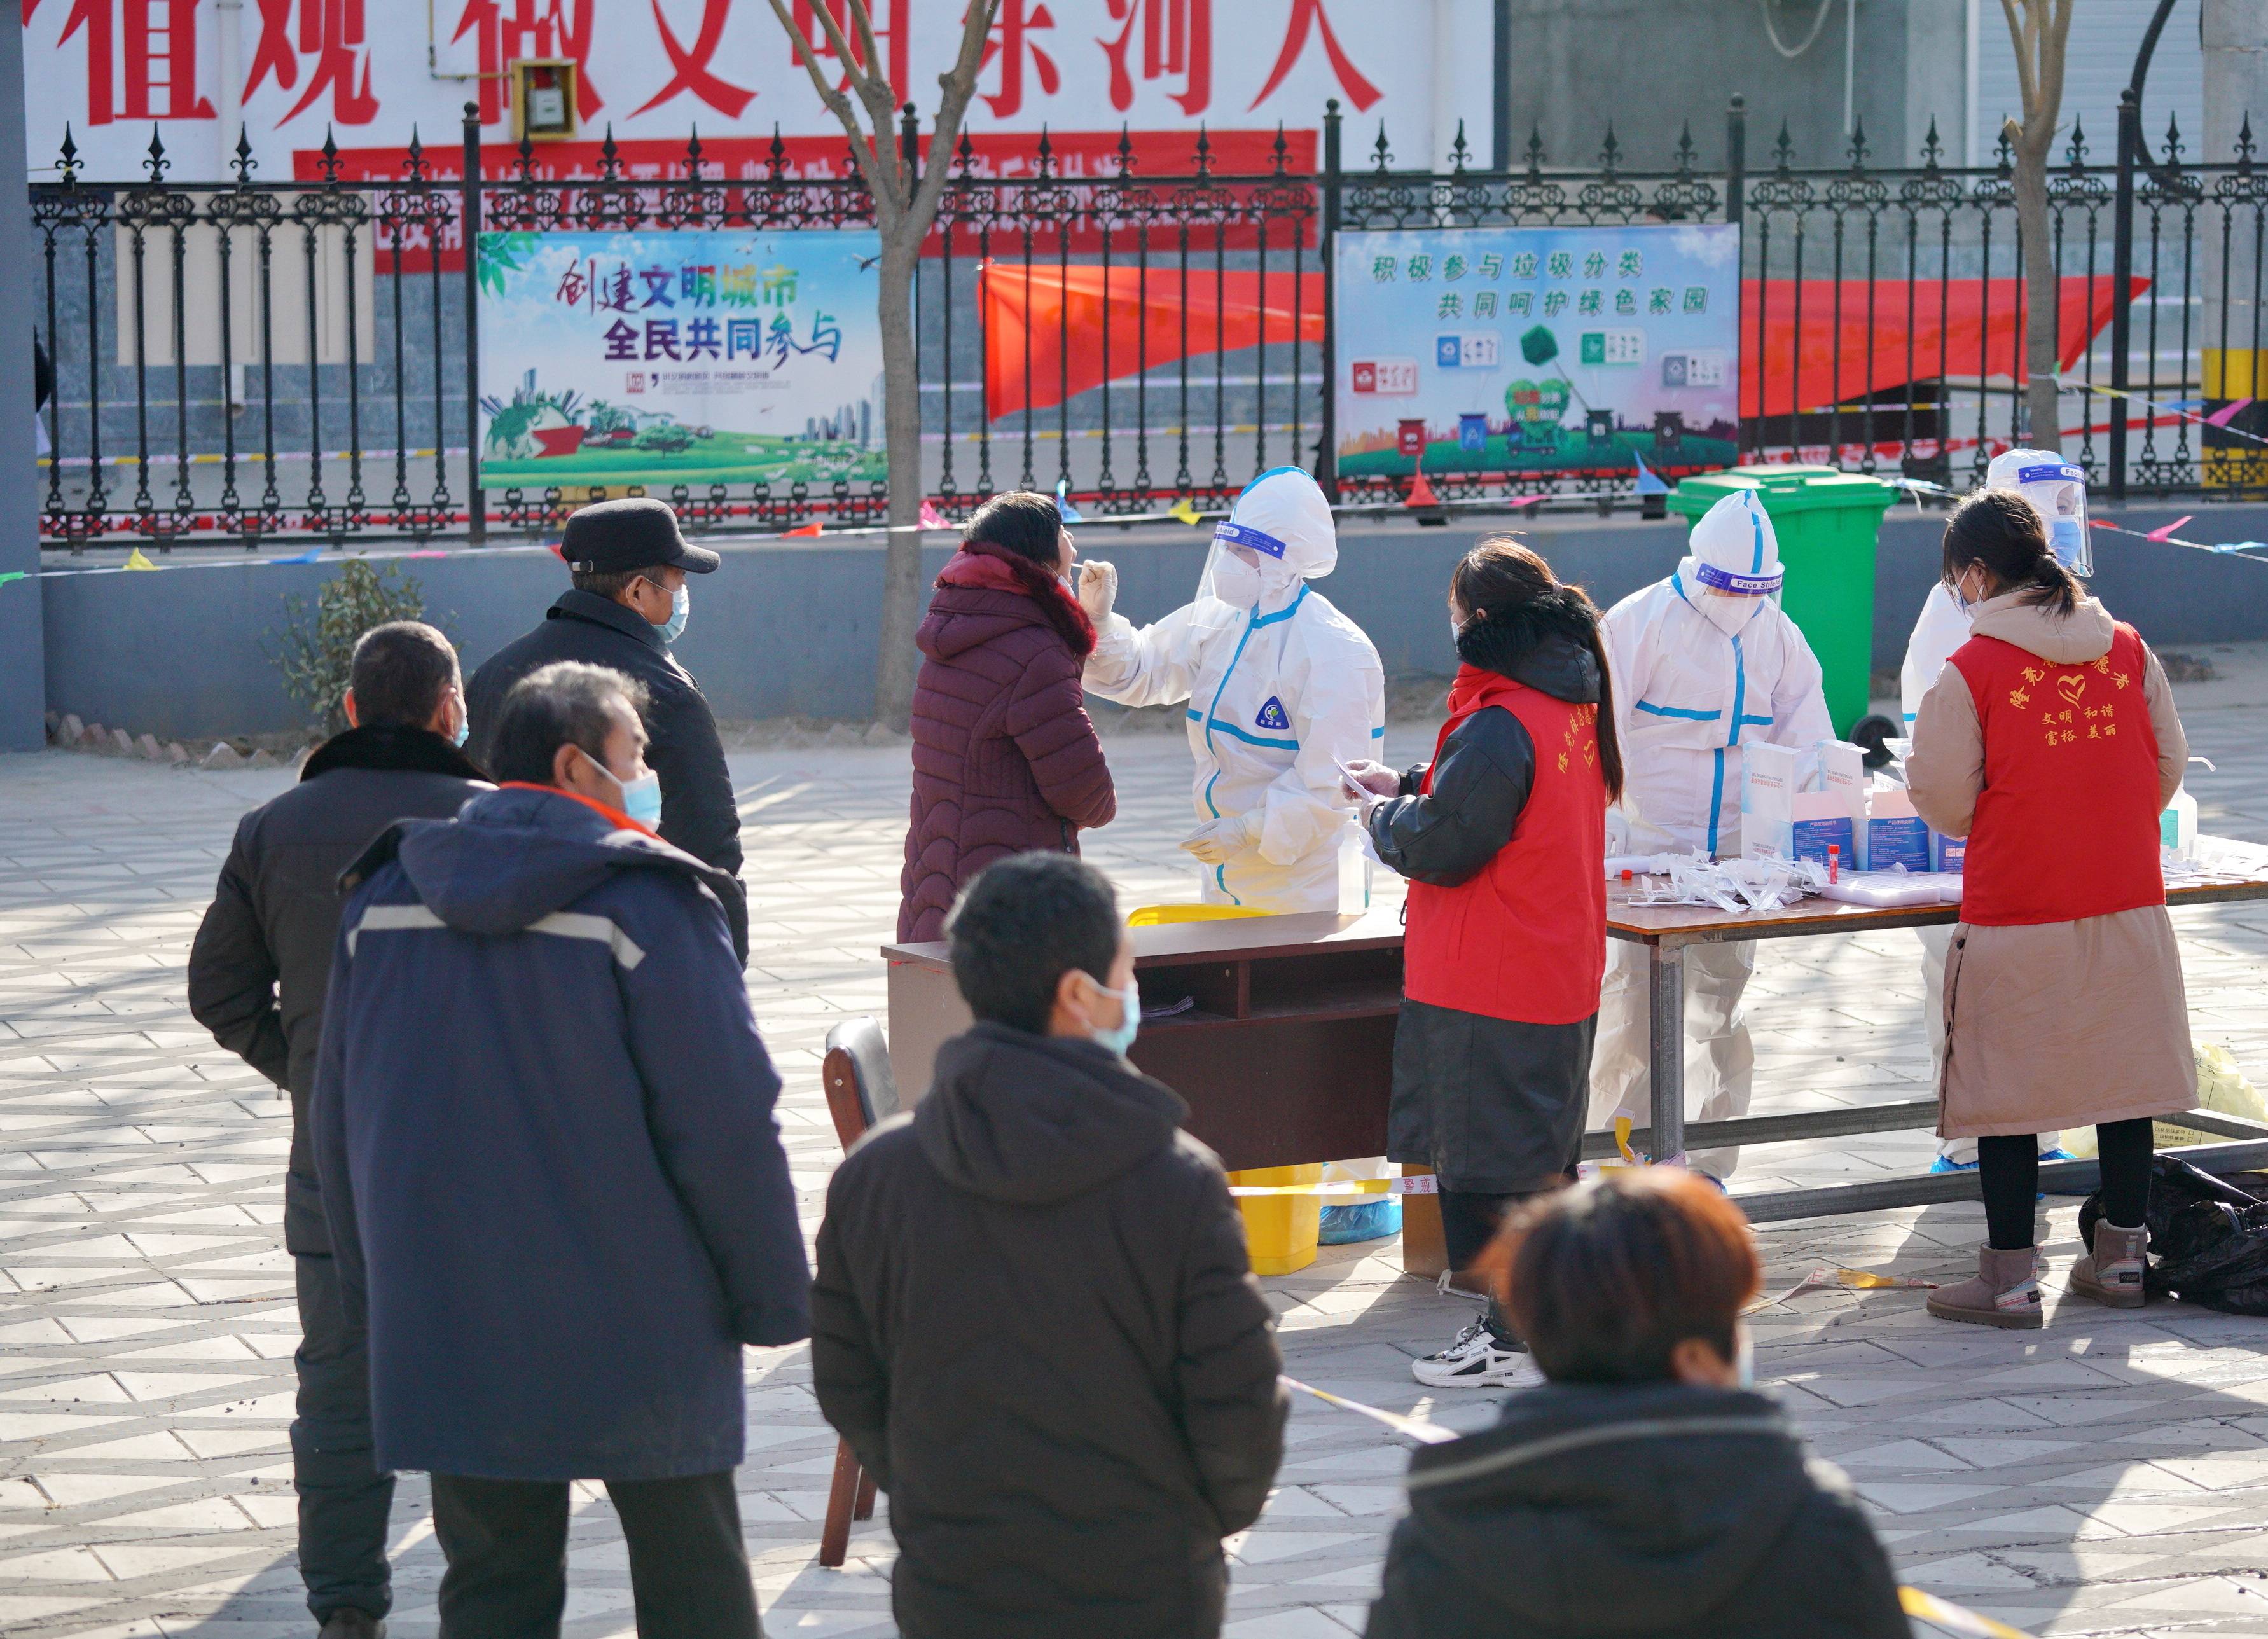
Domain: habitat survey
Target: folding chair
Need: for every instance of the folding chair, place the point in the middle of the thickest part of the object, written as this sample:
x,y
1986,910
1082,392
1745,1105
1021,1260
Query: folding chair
x,y
860,1091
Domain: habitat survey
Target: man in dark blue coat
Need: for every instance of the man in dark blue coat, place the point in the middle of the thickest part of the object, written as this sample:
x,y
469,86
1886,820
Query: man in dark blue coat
x,y
543,1123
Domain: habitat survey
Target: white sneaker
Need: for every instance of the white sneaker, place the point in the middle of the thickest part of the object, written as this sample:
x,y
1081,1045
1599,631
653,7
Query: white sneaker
x,y
1476,1360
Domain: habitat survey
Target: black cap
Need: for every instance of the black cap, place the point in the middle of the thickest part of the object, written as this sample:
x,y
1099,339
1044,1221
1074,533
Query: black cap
x,y
635,532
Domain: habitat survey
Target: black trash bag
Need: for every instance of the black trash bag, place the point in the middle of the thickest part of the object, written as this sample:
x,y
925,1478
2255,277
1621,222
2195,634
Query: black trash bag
x,y
2208,1235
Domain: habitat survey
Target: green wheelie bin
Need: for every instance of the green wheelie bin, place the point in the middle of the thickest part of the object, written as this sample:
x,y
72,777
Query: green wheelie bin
x,y
1826,521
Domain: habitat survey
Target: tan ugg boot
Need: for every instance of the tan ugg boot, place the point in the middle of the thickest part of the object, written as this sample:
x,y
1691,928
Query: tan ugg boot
x,y
2113,1273
2005,1292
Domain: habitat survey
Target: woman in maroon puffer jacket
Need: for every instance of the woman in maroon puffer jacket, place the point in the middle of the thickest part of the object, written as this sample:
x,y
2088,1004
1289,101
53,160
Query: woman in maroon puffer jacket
x,y
1006,758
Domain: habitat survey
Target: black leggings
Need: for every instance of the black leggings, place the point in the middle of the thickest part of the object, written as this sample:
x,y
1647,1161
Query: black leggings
x,y
2008,1170
1470,1221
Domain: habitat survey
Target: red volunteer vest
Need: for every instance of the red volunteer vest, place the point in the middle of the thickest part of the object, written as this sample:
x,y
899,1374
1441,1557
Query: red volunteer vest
x,y
2066,826
1525,938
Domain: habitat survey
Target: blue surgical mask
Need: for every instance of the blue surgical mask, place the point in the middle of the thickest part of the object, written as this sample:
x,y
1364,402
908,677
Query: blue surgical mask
x,y
681,610
1960,602
641,800
464,726
1121,1036
1744,1360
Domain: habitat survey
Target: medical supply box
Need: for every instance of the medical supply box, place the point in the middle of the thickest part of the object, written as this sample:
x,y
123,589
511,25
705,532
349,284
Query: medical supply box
x,y
1798,801
1894,836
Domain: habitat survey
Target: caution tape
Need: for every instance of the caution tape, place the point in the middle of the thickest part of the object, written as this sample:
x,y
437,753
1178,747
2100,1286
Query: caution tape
x,y
1954,1618
1417,1428
1824,1279
1425,1184
2174,410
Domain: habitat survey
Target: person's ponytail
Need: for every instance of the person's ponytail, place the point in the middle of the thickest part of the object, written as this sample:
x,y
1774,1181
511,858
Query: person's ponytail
x,y
2005,532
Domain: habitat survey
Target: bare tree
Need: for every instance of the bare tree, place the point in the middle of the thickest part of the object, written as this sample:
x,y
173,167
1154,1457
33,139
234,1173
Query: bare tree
x,y
903,211
2039,29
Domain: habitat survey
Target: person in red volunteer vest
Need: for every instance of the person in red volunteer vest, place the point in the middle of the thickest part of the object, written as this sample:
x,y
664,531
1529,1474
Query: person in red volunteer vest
x,y
2052,743
1503,837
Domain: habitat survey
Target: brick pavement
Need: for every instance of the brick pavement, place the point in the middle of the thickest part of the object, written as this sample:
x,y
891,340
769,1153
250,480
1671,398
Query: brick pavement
x,y
2104,1476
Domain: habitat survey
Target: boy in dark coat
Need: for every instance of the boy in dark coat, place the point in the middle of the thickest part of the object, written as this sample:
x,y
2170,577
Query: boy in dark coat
x,y
543,1124
1033,1318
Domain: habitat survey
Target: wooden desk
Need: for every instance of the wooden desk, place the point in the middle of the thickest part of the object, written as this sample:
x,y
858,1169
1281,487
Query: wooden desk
x,y
1286,1056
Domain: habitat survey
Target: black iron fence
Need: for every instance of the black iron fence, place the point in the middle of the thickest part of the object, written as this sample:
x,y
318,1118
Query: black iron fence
x,y
260,358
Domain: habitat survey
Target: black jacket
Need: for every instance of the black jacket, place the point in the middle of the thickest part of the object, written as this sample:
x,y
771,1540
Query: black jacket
x,y
262,955
1492,1105
698,812
1034,1323
1661,1510
1483,775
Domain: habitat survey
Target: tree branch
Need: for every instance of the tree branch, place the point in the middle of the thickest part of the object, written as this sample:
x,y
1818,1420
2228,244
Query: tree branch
x,y
2018,13
877,157
955,90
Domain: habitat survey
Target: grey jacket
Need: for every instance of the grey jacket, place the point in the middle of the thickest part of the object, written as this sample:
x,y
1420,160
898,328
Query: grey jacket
x,y
262,955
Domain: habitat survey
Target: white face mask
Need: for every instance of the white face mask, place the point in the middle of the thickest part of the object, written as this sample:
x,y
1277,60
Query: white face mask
x,y
1235,582
1455,631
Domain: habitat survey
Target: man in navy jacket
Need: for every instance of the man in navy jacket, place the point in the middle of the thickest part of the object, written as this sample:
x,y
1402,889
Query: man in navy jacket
x,y
544,1128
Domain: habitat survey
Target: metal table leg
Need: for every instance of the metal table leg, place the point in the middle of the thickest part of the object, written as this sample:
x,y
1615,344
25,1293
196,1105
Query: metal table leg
x,y
1665,978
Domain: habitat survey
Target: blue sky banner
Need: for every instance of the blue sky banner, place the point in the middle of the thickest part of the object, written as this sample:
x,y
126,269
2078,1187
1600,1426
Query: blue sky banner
x,y
1541,350
678,358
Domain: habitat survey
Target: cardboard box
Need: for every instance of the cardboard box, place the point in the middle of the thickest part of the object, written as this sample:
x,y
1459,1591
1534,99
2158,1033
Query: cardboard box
x,y
1893,836
1799,801
1947,853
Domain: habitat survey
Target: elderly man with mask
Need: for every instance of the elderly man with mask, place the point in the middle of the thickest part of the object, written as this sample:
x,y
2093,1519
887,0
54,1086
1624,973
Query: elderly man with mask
x,y
1704,663
1281,688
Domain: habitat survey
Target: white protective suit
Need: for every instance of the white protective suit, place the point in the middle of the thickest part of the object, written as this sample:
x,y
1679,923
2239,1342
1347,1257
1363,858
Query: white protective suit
x,y
1701,663
1281,688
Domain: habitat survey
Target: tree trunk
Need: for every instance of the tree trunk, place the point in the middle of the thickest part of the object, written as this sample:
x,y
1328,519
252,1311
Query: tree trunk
x,y
2042,291
896,661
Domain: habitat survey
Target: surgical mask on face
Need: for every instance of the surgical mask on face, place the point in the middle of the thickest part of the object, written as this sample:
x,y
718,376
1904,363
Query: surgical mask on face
x,y
1961,599
681,610
1455,631
1744,1361
1120,1035
464,729
641,798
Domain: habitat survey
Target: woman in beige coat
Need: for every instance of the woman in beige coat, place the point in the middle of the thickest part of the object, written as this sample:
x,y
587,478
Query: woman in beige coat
x,y
2050,742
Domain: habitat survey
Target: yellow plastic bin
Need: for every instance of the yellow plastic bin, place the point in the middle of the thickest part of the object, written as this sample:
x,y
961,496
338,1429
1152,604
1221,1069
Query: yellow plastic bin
x,y
1280,1230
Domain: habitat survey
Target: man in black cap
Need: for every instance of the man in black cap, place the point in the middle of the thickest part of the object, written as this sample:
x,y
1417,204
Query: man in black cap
x,y
628,605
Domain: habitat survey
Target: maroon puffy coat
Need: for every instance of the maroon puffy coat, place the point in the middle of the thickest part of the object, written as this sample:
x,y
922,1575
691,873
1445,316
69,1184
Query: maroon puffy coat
x,y
1006,758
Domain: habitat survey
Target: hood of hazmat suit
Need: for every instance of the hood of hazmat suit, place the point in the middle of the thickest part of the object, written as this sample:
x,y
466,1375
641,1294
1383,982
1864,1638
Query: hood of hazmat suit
x,y
2057,490
1940,628
1280,688
1704,662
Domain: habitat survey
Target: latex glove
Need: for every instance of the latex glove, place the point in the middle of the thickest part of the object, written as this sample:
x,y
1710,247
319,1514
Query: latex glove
x,y
1368,780
1217,841
1098,589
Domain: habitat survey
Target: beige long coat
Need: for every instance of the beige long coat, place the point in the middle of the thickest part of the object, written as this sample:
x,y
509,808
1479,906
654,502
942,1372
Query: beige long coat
x,y
2065,1023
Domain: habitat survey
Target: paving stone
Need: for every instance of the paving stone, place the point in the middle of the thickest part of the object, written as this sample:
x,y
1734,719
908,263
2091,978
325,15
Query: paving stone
x,y
2104,1476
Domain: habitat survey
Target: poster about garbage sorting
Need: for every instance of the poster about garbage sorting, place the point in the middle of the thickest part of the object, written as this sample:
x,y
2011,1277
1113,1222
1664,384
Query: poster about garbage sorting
x,y
691,357
1540,350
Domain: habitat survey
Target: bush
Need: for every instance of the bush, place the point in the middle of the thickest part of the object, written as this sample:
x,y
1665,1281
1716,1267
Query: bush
x,y
315,651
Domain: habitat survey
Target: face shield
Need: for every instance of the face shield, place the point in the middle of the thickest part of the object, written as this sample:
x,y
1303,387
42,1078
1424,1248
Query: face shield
x,y
1246,564
2057,491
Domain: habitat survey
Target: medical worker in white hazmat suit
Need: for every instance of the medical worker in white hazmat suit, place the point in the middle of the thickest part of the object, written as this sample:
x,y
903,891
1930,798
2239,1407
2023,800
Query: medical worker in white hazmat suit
x,y
1704,663
1281,688
1942,627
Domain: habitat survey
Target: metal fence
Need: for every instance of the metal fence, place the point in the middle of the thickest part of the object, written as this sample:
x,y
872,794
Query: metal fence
x,y
259,359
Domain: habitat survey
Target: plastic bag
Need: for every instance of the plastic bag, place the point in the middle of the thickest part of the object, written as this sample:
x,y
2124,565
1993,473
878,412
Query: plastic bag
x,y
1345,1223
2221,1085
2208,1237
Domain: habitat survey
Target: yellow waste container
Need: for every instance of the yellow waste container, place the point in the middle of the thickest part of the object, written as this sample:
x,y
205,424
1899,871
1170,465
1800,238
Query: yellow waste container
x,y
1280,1230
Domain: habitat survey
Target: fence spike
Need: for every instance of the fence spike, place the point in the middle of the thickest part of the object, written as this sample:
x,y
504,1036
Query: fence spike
x,y
1858,150
330,166
1046,152
1932,149
414,162
2075,150
1283,149
157,165
610,164
1458,152
2173,144
1609,153
1535,153
2005,163
1684,166
693,152
777,160
2245,146
244,165
1204,151
68,163
1784,151
1379,152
